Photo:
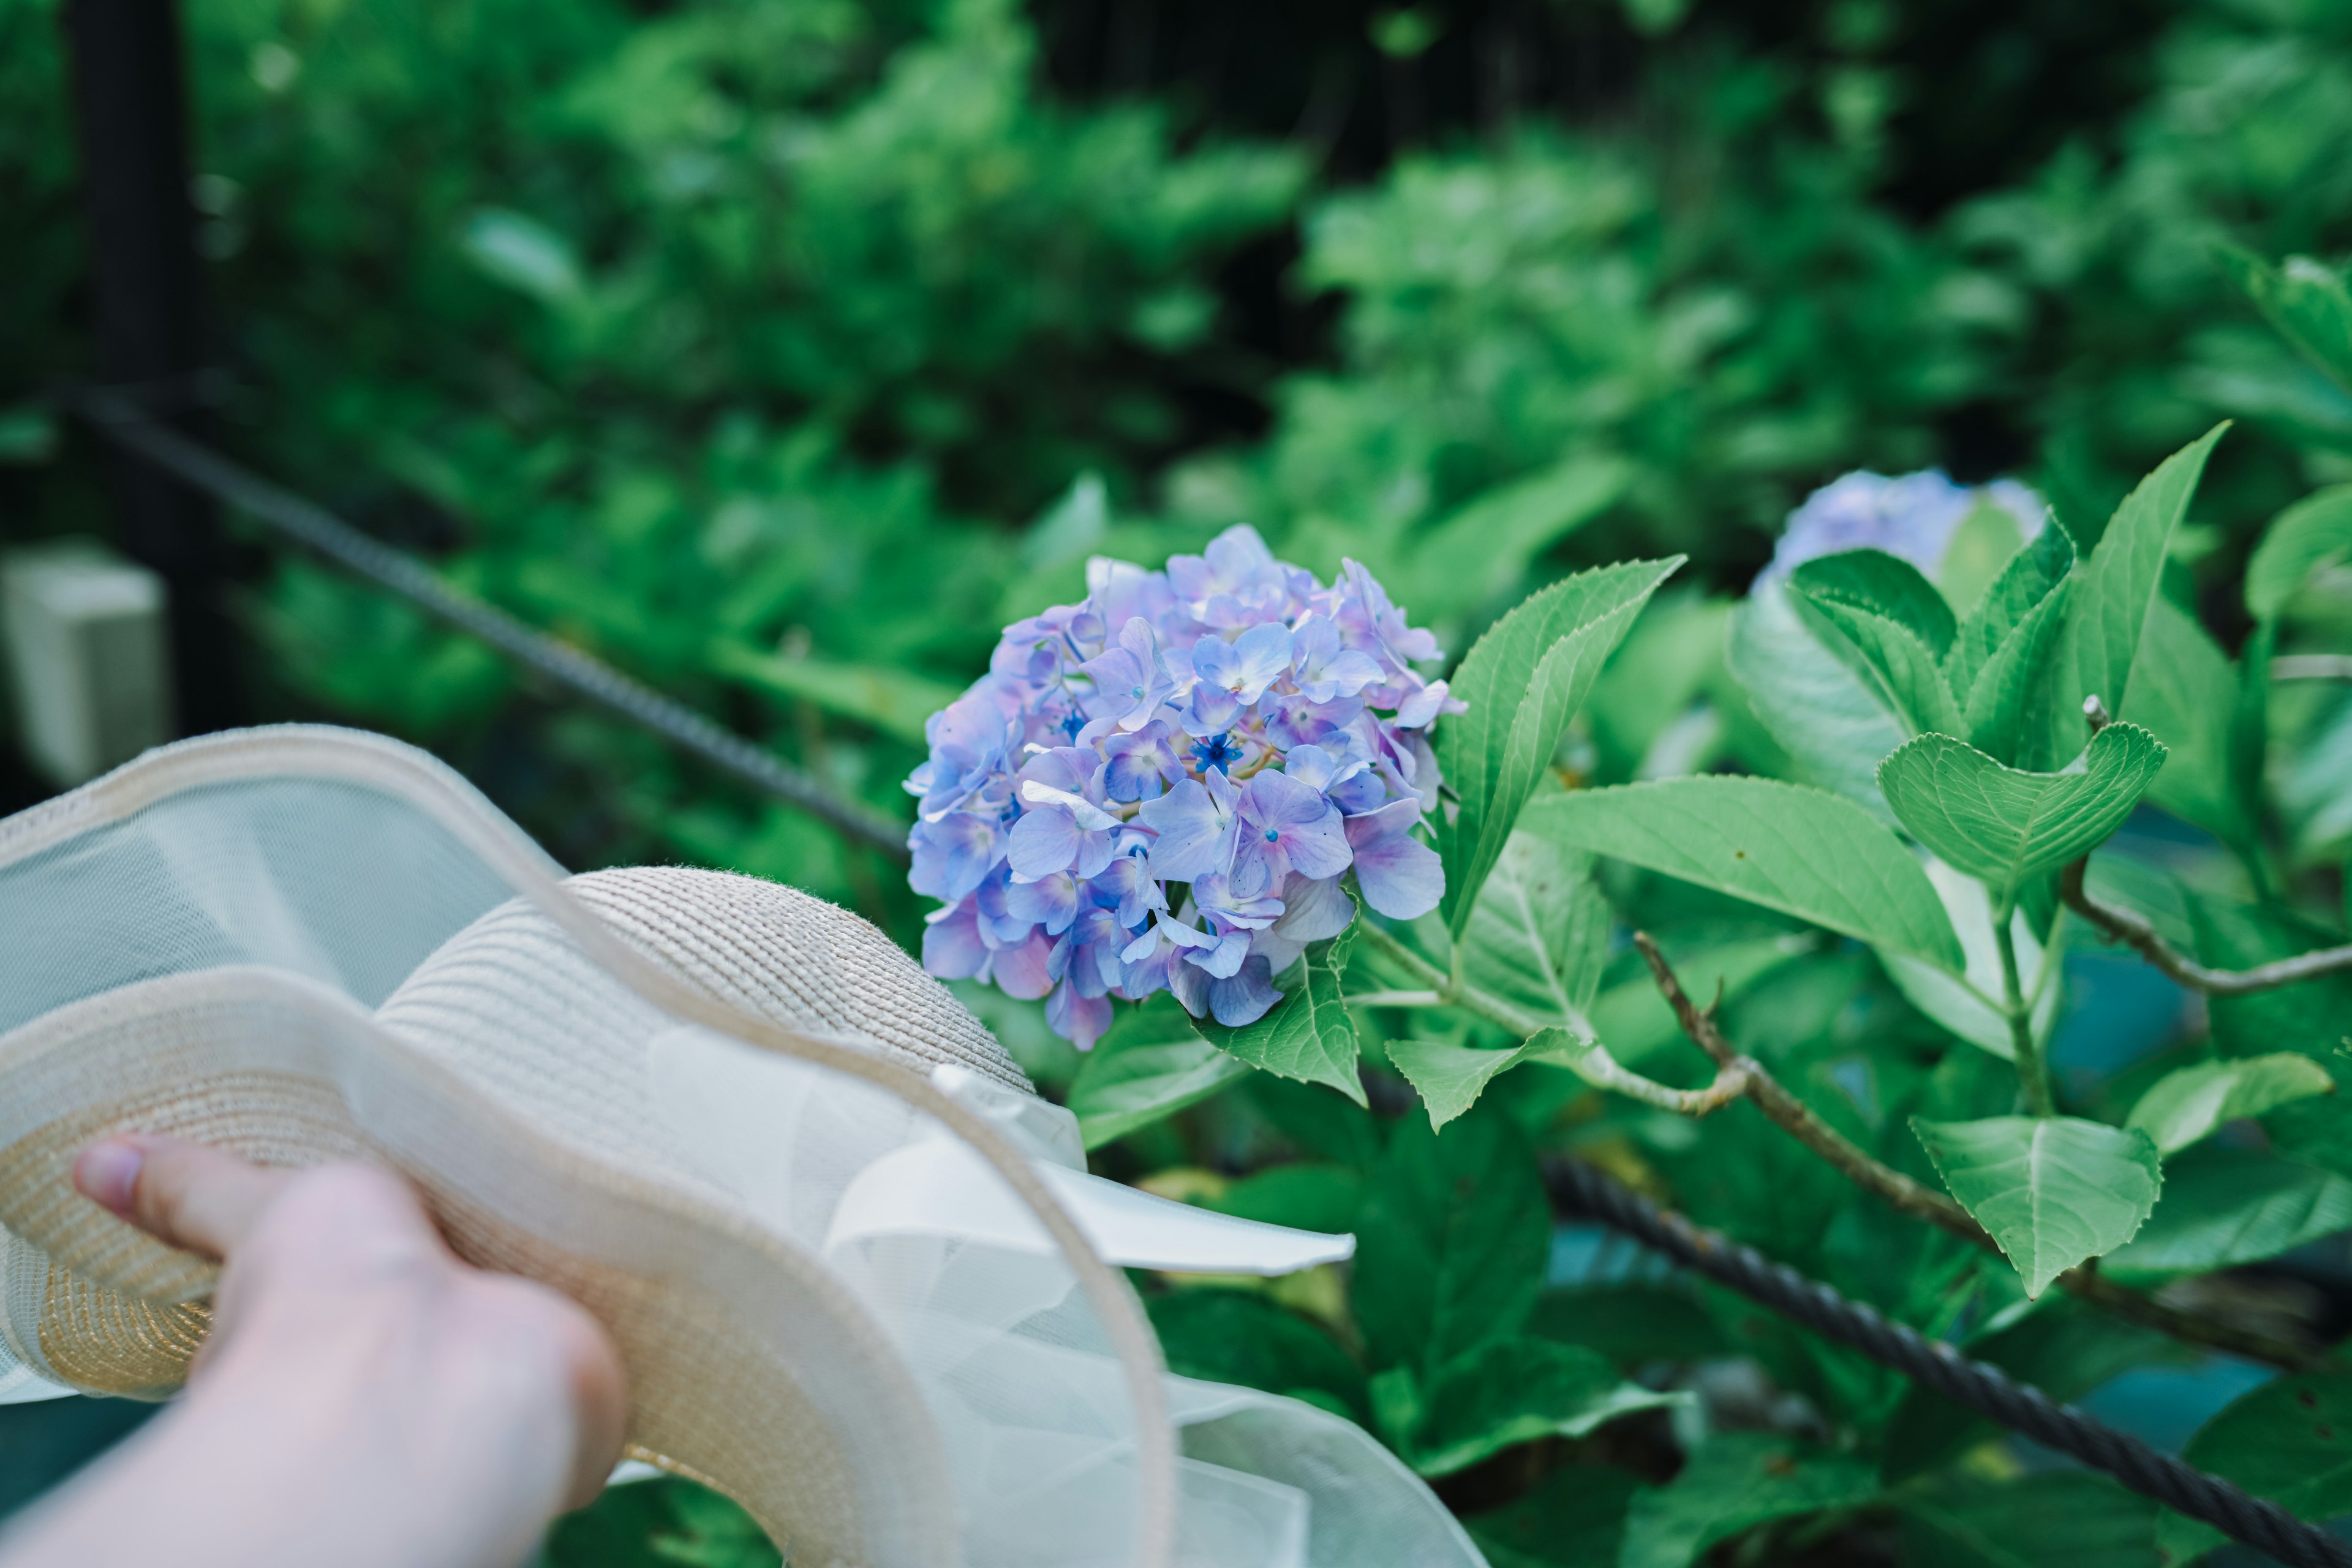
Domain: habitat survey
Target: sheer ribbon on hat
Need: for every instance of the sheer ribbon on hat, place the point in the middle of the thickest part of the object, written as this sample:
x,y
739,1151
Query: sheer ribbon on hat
x,y
858,1272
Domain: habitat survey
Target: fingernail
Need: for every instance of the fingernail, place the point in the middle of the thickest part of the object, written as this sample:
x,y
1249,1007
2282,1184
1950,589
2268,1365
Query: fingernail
x,y
107,1172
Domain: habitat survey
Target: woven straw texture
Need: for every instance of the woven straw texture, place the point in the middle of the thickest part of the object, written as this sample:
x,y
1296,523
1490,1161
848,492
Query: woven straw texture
x,y
504,1074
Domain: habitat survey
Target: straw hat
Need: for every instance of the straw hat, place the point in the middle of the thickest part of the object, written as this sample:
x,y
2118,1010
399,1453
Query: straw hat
x,y
853,1264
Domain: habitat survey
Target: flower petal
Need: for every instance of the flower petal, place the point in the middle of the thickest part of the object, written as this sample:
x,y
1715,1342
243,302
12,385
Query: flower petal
x,y
1400,877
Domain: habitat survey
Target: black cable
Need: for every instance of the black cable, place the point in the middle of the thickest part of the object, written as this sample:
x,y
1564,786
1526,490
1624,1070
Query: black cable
x,y
129,425
1582,1188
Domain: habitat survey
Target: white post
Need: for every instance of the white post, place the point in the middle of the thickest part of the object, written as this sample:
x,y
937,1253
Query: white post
x,y
86,635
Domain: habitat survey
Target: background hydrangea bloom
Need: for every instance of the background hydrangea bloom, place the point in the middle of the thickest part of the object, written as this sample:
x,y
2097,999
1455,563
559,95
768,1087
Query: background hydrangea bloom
x,y
1162,787
1911,515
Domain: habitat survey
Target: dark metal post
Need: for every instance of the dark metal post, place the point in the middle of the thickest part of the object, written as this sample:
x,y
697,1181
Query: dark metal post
x,y
131,112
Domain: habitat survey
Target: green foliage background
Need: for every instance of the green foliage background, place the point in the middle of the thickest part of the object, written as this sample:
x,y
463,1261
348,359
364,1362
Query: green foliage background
x,y
780,351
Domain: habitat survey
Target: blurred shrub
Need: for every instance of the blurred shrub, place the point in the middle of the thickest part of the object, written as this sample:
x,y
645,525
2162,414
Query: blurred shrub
x,y
1669,332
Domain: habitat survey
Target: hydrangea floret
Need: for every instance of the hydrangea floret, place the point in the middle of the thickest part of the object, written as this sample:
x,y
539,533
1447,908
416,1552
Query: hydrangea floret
x,y
1165,785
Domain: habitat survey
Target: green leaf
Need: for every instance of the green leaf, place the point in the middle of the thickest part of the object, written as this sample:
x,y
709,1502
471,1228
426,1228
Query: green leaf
x,y
1307,1196
2223,1207
2289,1441
1450,1077
1573,1518
2095,648
1453,1240
1803,851
2004,827
2185,693
1306,1035
895,701
1636,1022
665,1522
2310,536
1881,585
1732,1482
524,254
1903,671
1484,549
2308,304
1516,1391
1153,1064
1523,681
1962,1001
1631,1322
1539,935
1831,722
1244,1337
1994,705
2027,578
2057,1518
2052,1190
2191,1103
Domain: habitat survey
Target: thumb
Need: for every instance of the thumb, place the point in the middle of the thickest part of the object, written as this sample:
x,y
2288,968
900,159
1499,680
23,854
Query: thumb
x,y
186,1194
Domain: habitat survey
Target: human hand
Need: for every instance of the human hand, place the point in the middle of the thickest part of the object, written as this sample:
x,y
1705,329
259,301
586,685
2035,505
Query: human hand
x,y
363,1396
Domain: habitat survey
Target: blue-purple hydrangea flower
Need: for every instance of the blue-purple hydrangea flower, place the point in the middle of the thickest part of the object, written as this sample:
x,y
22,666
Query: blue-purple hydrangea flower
x,y
1163,786
1912,515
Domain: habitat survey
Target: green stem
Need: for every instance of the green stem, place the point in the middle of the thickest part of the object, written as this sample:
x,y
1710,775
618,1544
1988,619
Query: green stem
x,y
1593,1064
1395,999
2032,1073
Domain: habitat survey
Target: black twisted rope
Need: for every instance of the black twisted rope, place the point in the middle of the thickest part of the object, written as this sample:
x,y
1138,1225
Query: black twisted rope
x,y
129,425
2260,1523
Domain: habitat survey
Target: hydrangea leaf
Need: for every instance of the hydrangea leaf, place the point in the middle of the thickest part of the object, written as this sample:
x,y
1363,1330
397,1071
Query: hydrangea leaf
x,y
1452,1243
1803,851
2224,1207
1961,1000
1831,723
1483,548
2290,1441
2094,650
2309,536
1903,671
1306,1035
1538,933
2184,690
1153,1064
2040,566
2057,1518
2191,1103
1305,1194
2309,305
1450,1077
1516,1391
2005,827
1732,1482
1636,1022
1999,694
1244,1337
1881,584
1523,680
2051,1190
1576,1514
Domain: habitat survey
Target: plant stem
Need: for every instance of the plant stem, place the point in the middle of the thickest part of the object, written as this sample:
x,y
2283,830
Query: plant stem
x,y
1799,1120
1594,1065
1395,999
2129,928
2032,1073
1738,1076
